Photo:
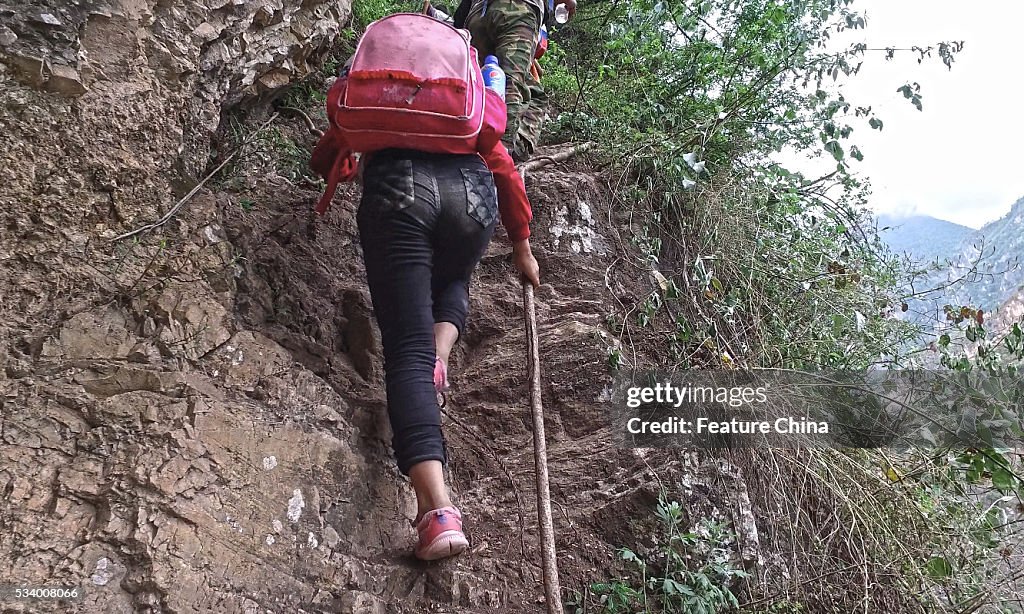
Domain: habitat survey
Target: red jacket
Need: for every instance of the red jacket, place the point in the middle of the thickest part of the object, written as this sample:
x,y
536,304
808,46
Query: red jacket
x,y
334,161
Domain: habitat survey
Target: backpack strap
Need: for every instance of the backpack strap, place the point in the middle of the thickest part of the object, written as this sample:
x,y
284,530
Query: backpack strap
x,y
344,168
332,158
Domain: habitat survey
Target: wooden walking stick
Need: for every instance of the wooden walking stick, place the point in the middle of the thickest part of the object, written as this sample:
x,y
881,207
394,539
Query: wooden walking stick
x,y
552,590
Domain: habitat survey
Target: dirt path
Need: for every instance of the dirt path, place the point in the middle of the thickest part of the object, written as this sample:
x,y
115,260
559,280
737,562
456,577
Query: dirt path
x,y
487,421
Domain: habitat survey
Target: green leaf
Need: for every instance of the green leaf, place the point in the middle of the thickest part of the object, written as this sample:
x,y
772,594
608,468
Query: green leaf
x,y
1003,480
834,148
939,567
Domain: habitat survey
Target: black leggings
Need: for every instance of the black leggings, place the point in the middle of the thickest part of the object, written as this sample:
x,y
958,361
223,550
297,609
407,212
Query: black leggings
x,y
424,223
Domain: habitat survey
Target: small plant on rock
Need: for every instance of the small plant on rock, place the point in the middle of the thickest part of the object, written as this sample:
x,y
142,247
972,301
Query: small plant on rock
x,y
685,571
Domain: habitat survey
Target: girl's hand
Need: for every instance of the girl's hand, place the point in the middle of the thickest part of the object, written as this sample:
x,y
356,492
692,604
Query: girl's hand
x,y
522,257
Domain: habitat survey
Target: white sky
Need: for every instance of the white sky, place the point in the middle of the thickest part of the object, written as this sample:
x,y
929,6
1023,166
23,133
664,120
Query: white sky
x,y
961,158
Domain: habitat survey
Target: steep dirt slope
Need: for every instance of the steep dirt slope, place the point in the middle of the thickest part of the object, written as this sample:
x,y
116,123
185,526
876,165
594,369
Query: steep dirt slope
x,y
301,285
193,420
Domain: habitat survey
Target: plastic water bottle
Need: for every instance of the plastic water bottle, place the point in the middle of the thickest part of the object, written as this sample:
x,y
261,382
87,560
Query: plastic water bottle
x,y
494,76
561,13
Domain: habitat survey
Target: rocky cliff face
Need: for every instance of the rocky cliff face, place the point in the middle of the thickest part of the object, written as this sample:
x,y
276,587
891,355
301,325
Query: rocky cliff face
x,y
165,70
193,420
108,108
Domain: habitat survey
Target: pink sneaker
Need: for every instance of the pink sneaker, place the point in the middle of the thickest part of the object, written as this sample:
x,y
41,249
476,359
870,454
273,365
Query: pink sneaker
x,y
440,533
440,375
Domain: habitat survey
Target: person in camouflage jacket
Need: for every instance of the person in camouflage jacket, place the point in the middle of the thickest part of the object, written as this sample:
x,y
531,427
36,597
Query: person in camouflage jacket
x,y
509,30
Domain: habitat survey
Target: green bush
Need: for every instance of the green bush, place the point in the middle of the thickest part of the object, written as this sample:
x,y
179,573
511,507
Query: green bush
x,y
688,102
685,572
365,12
758,265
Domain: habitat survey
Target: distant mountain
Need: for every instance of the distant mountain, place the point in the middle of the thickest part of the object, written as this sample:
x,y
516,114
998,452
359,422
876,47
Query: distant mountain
x,y
922,237
1010,312
1000,247
997,250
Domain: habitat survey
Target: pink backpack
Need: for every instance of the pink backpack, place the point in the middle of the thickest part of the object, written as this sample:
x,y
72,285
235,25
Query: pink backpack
x,y
413,83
